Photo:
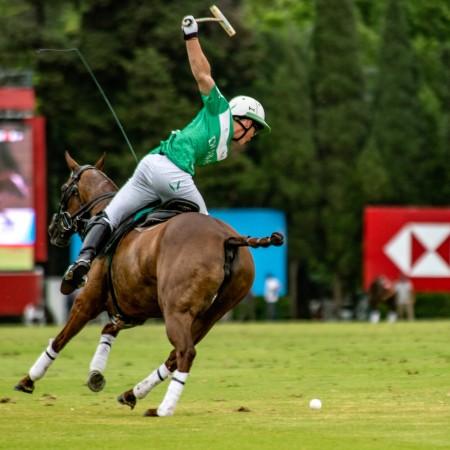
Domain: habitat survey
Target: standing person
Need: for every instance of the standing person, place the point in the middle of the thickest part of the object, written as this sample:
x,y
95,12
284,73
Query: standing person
x,y
405,298
272,288
167,171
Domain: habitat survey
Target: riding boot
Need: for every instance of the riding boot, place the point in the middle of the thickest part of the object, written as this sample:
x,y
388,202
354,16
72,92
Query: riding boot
x,y
97,233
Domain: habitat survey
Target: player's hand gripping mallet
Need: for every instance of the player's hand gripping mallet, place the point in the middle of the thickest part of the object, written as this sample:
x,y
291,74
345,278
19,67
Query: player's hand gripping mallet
x,y
218,17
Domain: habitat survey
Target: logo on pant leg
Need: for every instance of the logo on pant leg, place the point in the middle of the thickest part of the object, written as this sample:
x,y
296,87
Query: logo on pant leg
x,y
175,186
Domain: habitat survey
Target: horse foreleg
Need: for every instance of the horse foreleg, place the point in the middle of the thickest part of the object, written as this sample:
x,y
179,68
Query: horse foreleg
x,y
96,381
78,318
38,370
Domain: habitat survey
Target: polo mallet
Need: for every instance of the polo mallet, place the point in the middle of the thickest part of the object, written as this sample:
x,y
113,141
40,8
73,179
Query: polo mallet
x,y
218,17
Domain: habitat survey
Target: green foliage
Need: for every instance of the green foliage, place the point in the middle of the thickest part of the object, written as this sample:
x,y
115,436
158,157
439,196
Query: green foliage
x,y
432,306
399,121
372,175
288,159
267,15
440,175
356,92
232,183
340,130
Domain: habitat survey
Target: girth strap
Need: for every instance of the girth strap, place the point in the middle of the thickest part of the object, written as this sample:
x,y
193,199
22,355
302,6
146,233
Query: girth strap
x,y
119,318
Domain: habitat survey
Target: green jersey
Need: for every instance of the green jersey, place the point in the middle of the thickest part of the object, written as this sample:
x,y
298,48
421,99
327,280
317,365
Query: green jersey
x,y
206,139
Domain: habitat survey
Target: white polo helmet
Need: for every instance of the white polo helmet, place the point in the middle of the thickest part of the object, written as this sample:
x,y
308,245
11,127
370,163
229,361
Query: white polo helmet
x,y
243,106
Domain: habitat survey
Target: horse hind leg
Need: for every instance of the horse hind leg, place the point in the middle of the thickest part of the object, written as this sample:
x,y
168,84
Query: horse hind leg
x,y
182,357
178,329
129,398
143,388
199,328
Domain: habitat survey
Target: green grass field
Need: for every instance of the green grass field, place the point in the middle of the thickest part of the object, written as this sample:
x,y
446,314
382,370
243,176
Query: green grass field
x,y
383,386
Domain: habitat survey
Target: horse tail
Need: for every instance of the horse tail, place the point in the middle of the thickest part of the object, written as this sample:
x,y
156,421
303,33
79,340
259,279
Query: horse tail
x,y
275,239
232,243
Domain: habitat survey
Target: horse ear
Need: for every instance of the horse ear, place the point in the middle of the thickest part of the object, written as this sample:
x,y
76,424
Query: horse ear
x,y
71,162
101,162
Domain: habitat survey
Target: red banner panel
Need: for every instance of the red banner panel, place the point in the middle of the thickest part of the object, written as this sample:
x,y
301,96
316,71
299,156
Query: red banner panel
x,y
19,289
40,187
18,99
414,242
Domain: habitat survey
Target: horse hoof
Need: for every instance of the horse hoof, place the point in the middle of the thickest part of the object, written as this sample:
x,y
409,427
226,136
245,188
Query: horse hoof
x,y
151,413
96,381
26,385
127,398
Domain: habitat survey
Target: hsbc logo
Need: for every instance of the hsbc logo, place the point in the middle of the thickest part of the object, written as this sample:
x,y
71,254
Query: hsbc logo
x,y
421,250
408,240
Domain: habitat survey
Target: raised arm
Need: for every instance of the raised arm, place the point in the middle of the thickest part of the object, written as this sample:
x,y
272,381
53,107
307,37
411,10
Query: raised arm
x,y
199,64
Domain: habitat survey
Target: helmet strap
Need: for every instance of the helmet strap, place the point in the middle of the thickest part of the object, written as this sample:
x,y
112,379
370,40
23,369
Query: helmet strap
x,y
246,130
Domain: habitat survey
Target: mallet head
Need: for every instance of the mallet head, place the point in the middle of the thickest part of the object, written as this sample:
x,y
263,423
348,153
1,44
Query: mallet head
x,y
223,20
218,17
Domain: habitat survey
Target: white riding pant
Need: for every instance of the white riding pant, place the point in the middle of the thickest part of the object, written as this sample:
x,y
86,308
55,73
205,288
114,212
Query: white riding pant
x,y
155,178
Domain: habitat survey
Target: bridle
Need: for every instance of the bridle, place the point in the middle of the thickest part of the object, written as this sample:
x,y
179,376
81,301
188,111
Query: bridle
x,y
66,223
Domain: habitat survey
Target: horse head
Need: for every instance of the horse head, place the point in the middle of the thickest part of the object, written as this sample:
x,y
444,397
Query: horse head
x,y
82,196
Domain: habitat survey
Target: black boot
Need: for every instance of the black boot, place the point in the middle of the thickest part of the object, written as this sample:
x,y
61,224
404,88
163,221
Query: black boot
x,y
98,231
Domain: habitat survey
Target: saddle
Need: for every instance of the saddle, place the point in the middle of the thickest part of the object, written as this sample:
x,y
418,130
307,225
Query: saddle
x,y
152,214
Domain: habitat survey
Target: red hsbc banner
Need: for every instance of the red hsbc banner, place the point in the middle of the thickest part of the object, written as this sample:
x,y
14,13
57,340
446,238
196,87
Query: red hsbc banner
x,y
414,242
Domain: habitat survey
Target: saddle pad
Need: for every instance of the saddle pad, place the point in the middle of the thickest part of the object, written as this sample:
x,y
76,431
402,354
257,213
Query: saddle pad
x,y
146,217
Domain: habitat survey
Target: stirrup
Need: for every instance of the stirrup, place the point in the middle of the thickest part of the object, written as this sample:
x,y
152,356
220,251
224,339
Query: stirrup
x,y
69,286
77,270
75,276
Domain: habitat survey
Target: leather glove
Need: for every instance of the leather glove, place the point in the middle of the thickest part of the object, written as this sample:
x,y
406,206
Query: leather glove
x,y
189,27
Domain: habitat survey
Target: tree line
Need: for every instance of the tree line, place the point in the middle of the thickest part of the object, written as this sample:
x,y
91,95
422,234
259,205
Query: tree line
x,y
357,94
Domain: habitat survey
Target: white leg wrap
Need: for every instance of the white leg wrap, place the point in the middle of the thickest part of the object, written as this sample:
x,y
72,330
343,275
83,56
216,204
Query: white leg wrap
x,y
100,358
176,386
43,363
156,377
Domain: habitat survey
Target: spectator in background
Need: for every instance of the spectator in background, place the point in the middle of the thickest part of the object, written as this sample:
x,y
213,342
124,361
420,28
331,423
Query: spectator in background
x,y
405,298
272,288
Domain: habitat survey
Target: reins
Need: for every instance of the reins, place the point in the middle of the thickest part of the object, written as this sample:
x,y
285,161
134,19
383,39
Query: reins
x,y
89,205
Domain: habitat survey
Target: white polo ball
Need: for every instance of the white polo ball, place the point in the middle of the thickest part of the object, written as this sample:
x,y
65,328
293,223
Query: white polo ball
x,y
315,403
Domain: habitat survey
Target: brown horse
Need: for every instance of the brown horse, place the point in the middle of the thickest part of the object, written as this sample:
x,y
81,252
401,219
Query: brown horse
x,y
190,270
